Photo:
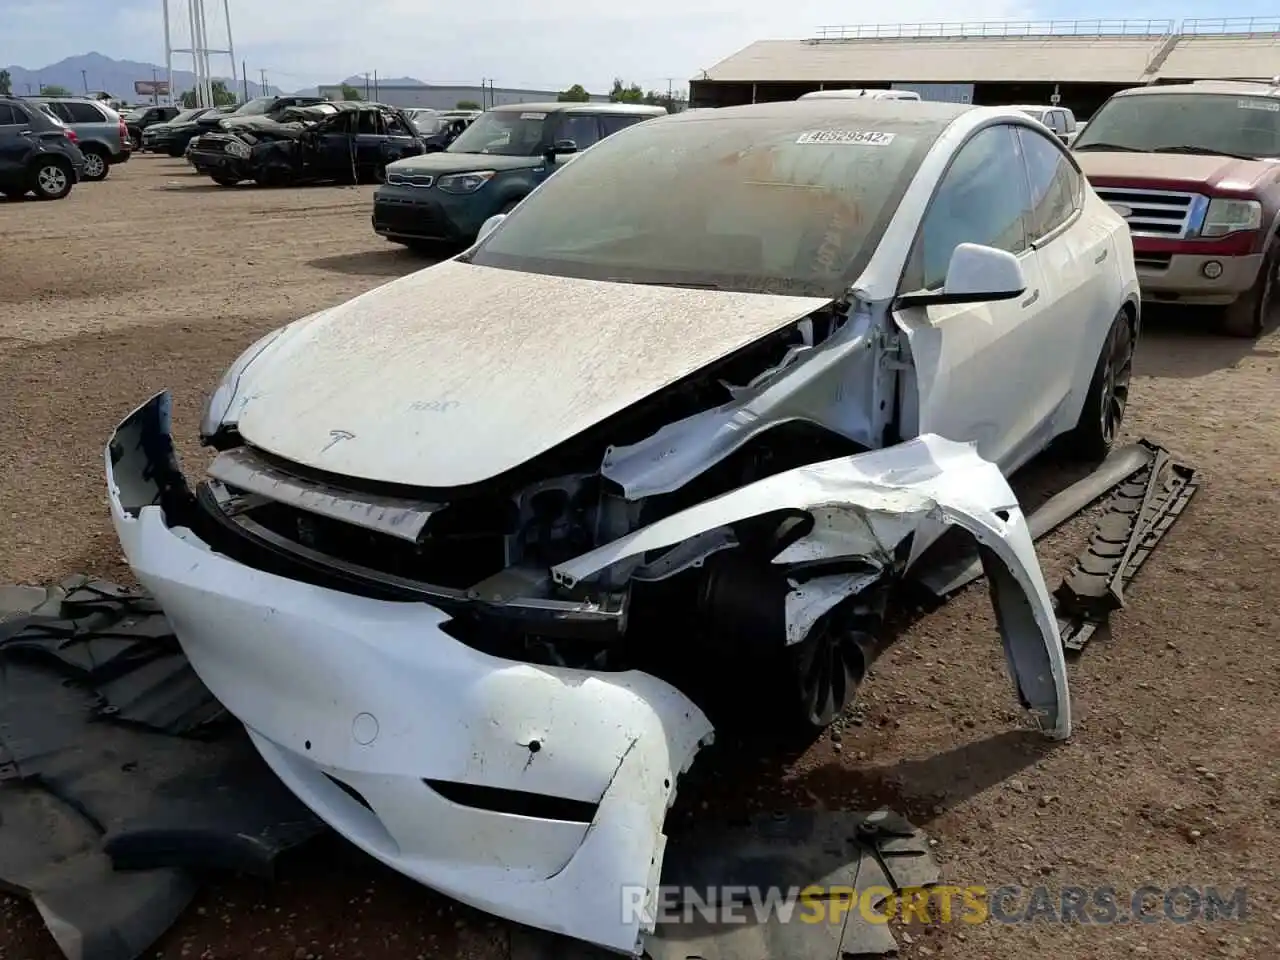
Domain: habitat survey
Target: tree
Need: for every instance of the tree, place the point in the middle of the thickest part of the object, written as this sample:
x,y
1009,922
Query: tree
x,y
626,94
351,93
6,83
575,94
466,105
222,97
54,90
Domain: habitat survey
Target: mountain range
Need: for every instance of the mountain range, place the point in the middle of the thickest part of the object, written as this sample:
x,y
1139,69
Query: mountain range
x,y
102,73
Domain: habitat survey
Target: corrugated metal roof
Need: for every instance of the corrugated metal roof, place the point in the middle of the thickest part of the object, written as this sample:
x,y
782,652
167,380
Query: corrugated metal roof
x,y
1066,59
941,60
1210,58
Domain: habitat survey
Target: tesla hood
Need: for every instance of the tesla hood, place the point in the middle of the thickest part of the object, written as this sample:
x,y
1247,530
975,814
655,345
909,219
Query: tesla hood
x,y
458,373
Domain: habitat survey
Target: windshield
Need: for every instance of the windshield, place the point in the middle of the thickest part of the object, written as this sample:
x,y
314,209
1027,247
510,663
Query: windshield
x,y
1226,124
186,116
255,107
511,133
753,204
426,122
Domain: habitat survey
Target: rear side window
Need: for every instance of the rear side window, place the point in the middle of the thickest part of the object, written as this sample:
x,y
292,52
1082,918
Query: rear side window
x,y
581,128
82,113
1056,186
9,116
612,124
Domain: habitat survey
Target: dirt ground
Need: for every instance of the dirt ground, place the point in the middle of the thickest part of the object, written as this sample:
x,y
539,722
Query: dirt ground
x,y
156,278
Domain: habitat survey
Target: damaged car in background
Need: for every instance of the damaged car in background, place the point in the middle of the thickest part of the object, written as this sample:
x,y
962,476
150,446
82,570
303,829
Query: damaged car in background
x,y
466,534
349,142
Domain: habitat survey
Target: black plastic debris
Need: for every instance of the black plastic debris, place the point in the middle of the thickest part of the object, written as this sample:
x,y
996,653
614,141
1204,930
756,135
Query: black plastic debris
x,y
725,891
121,778
1137,517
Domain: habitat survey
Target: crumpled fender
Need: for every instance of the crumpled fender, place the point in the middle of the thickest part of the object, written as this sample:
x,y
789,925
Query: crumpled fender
x,y
864,506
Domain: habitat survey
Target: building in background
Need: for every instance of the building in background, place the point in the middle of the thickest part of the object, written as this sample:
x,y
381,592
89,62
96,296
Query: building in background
x,y
1079,62
447,98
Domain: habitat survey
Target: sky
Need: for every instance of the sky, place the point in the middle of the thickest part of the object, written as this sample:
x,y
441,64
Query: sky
x,y
546,44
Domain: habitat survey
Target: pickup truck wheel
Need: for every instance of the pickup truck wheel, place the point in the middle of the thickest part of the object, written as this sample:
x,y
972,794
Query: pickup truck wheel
x,y
96,166
1248,316
51,178
1104,407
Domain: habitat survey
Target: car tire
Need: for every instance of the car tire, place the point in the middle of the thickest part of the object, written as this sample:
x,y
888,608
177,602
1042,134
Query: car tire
x,y
1248,316
52,178
1104,406
96,165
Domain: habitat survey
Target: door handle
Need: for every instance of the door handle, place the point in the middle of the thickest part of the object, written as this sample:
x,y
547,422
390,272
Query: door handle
x,y
1100,257
1035,295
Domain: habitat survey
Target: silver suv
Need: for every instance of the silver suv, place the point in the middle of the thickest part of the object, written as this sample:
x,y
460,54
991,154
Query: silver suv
x,y
101,132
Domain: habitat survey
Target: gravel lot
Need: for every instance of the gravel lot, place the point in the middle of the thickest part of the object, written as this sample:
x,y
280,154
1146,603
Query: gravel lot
x,y
157,278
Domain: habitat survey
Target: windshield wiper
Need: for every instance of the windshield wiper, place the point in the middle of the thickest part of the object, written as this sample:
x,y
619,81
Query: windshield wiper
x,y
665,283
1202,151
1102,145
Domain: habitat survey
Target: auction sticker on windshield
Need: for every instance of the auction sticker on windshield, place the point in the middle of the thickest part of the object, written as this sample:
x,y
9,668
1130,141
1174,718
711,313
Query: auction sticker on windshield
x,y
533,116
1272,106
869,138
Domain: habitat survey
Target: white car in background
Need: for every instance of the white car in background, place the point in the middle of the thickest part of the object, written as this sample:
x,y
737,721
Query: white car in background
x,y
860,94
475,540
1058,119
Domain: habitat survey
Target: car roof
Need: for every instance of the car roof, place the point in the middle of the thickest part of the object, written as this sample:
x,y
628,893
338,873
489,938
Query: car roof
x,y
1243,88
578,106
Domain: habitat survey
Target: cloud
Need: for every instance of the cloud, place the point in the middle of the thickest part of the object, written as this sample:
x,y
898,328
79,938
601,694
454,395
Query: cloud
x,y
549,44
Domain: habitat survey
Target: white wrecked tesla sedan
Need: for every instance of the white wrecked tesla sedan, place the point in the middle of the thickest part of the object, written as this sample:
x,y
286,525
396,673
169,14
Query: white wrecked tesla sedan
x,y
712,386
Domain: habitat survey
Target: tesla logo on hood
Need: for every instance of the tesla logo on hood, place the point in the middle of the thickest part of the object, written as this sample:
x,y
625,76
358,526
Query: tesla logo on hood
x,y
335,436
1121,209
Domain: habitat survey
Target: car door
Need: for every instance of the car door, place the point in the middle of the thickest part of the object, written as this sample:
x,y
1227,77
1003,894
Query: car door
x,y
980,368
1077,257
16,144
400,140
1078,281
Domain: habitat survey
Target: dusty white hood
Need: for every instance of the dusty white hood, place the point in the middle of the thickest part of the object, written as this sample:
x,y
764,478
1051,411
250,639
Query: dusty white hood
x,y
458,373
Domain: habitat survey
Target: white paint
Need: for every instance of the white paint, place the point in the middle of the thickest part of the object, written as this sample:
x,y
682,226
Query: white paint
x,y
522,361
879,498
296,663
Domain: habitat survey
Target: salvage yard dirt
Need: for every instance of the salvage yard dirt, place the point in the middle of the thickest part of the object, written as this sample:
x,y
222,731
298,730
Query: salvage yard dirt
x,y
157,278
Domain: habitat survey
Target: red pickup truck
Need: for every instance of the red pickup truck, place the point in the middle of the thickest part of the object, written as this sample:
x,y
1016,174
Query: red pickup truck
x,y
1195,170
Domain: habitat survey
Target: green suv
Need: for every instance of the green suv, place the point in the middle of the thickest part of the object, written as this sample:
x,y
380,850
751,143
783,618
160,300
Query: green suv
x,y
492,166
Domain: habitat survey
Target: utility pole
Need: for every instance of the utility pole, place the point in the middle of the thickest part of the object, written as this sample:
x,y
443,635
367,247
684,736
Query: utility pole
x,y
84,79
244,75
263,74
366,84
231,47
155,94
375,85
168,51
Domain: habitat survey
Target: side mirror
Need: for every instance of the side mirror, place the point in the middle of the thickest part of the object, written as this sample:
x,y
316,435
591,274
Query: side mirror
x,y
560,147
975,274
490,225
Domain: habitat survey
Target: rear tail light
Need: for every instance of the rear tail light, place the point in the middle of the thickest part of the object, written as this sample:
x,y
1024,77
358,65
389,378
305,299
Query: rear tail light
x,y
125,142
71,135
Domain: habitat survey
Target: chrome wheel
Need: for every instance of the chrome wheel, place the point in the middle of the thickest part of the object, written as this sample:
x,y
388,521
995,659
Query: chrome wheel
x,y
94,166
1116,374
52,180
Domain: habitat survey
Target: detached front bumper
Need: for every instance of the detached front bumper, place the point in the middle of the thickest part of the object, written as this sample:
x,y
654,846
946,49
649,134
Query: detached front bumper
x,y
534,793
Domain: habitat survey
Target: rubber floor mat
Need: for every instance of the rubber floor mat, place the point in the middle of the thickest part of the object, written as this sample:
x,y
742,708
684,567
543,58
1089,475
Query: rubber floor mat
x,y
121,778
717,891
